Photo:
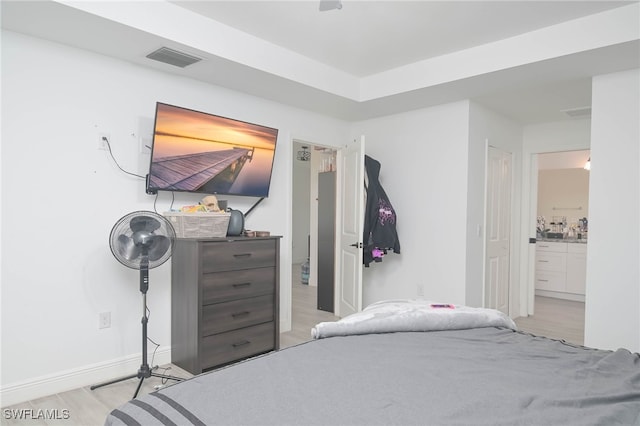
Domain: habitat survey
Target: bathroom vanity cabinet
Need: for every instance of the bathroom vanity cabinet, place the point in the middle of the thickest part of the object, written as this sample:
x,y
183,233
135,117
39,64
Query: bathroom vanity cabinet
x,y
561,269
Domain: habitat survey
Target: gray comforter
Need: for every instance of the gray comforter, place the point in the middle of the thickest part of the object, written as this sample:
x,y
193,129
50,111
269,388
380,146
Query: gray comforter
x,y
482,376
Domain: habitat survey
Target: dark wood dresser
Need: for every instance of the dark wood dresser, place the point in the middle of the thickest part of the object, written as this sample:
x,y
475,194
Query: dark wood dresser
x,y
224,300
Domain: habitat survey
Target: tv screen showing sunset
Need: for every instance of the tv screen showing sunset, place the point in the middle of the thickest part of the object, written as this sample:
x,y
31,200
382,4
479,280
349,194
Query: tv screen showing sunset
x,y
199,152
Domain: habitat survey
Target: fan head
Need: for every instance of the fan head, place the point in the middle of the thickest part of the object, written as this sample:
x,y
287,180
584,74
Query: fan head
x,y
142,238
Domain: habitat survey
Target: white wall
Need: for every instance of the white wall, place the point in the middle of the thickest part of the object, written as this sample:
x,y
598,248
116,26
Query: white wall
x,y
61,196
423,156
612,309
432,169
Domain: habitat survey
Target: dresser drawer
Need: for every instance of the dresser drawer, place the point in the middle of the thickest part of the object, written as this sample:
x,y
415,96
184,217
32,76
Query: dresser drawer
x,y
221,317
224,286
239,255
234,345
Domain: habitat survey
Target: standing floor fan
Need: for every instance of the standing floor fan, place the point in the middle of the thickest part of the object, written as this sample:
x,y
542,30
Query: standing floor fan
x,y
142,240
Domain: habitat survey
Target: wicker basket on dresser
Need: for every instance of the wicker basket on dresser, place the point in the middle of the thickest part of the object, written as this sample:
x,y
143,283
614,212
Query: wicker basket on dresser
x,y
224,300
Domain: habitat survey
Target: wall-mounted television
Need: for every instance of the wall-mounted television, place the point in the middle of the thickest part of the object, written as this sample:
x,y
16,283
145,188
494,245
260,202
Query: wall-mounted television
x,y
195,151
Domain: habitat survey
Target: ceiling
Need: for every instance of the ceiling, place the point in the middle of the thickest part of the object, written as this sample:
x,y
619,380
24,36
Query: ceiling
x,y
367,37
368,59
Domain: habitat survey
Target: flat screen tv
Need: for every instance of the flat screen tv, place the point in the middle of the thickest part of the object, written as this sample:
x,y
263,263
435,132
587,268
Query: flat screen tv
x,y
199,152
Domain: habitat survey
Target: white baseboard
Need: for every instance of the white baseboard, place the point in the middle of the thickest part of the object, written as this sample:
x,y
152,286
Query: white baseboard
x,y
560,295
63,381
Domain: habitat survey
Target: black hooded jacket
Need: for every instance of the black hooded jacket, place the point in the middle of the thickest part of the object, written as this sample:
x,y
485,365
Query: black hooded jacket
x,y
380,218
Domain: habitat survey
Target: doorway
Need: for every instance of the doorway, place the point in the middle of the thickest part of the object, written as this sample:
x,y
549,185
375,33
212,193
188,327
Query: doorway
x,y
561,206
309,161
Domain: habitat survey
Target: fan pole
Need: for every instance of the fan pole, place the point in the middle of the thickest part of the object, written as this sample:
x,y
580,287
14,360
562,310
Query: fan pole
x,y
144,286
144,371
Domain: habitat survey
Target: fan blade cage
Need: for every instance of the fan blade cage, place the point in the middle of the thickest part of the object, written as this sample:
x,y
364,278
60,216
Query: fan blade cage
x,y
142,237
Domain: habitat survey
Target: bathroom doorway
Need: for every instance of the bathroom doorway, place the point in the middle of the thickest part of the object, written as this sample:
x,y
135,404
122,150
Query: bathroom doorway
x,y
559,273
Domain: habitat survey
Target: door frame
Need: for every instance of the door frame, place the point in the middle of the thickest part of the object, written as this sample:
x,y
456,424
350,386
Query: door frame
x,y
286,300
529,218
287,280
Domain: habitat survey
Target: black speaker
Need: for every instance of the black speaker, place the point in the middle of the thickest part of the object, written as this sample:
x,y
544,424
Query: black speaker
x,y
236,223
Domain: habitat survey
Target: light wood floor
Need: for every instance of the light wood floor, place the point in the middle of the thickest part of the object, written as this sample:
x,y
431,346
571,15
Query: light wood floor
x,y
304,312
554,318
304,315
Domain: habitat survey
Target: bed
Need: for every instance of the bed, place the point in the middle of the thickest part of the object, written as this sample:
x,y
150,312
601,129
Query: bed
x,y
407,362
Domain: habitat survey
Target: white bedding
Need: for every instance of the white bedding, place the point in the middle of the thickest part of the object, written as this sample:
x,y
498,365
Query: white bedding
x,y
412,315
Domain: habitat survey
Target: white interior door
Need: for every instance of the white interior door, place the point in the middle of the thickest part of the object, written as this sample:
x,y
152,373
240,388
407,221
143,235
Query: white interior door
x,y
349,281
498,217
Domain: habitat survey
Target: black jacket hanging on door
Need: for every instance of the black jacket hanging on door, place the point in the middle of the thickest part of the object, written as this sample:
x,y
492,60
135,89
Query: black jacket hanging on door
x,y
380,218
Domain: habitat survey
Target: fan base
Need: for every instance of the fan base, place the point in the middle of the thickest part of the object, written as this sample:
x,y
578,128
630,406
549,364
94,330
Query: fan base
x,y
143,373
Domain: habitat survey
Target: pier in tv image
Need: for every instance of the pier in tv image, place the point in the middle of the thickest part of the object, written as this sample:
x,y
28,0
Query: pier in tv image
x,y
198,152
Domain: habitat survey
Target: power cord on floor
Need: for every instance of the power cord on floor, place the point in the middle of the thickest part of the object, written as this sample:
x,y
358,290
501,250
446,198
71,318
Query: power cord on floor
x,y
153,355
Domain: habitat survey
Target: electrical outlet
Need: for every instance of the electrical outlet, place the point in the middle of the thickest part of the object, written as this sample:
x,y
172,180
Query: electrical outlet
x,y
104,320
420,290
103,141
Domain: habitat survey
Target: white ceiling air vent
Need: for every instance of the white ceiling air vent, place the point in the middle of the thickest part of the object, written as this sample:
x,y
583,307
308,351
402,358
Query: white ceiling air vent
x,y
581,112
173,57
330,5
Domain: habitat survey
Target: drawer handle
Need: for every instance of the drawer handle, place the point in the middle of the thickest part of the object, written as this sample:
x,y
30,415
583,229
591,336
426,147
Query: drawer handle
x,y
240,314
242,255
243,343
544,281
543,261
241,284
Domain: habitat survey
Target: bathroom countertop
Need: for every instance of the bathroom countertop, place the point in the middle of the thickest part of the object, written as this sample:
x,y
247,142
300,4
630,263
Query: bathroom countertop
x,y
562,240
